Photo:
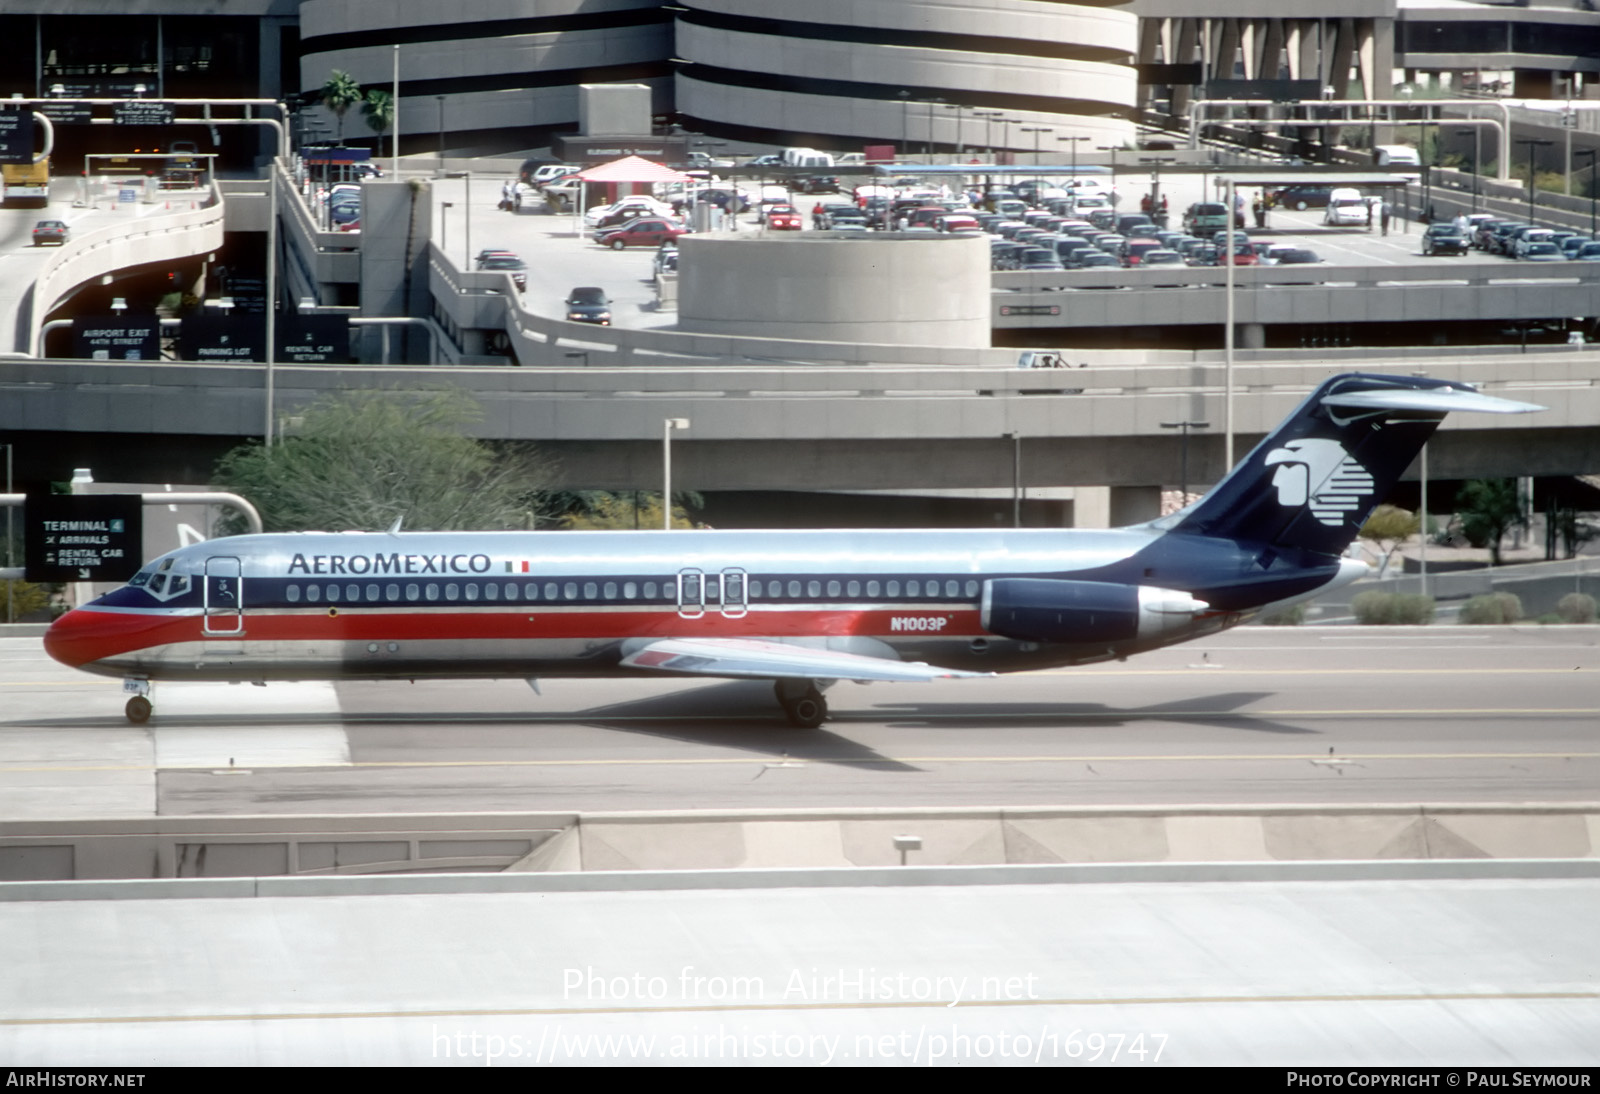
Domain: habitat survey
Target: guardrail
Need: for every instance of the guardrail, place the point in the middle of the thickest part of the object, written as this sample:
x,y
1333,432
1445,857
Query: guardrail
x,y
119,246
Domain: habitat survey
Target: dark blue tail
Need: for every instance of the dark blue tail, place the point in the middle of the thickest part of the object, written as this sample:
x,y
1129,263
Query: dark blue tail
x,y
1315,479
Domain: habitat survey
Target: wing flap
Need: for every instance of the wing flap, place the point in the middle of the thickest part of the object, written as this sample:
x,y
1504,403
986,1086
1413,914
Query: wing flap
x,y
771,660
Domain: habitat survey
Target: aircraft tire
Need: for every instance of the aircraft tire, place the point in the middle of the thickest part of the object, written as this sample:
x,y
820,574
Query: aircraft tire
x,y
808,711
138,710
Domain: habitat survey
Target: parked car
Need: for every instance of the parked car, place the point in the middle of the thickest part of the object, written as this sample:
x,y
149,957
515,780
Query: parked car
x,y
781,218
508,261
644,232
1301,197
1204,217
1443,239
50,231
589,304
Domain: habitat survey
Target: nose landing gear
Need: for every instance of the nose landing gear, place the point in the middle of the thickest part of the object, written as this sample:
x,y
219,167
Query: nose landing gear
x,y
138,708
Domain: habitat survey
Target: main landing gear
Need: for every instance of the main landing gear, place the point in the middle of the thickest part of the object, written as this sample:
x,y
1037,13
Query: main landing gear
x,y
802,702
138,708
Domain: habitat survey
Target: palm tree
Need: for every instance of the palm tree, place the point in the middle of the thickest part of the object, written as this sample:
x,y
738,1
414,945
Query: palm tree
x,y
378,109
339,94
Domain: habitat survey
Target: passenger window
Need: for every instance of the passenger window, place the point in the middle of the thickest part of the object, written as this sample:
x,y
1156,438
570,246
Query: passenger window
x,y
853,589
952,588
550,592
431,592
372,593
972,588
491,591
755,590
411,593
294,594
630,590
570,590
794,590
894,590
833,589
352,593
814,590
451,591
391,593
472,590
313,593
590,590
872,590
649,590
913,589
611,590
733,587
333,592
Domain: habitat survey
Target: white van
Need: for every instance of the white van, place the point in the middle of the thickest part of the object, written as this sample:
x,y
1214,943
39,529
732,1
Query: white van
x,y
806,157
1345,207
1402,159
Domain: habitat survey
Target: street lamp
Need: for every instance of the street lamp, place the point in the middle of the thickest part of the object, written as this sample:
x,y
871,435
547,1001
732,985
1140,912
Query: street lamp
x,y
1073,143
1183,461
905,123
1036,130
1113,150
440,99
931,104
957,108
667,426
988,117
1532,143
1477,158
1590,152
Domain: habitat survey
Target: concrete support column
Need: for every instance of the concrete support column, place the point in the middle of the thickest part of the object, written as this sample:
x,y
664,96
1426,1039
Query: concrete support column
x,y
1271,63
1342,52
1227,48
1187,52
1091,507
1383,56
1134,504
1252,336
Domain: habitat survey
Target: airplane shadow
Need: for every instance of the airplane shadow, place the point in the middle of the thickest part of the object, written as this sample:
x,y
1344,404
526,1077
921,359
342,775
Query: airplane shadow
x,y
737,714
1213,710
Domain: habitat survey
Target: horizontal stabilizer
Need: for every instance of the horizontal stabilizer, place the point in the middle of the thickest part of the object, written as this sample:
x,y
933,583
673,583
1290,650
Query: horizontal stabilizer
x,y
1438,400
774,660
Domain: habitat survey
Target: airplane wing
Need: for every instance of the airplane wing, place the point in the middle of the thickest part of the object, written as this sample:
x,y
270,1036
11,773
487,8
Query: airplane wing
x,y
770,660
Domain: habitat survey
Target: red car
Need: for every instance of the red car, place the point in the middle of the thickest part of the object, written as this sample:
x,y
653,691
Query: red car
x,y
644,232
783,218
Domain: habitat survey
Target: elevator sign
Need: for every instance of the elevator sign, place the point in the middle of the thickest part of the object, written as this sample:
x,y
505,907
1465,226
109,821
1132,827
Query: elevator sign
x,y
82,537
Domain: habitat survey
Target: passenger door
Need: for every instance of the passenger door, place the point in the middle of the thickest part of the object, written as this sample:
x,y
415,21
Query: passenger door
x,y
224,596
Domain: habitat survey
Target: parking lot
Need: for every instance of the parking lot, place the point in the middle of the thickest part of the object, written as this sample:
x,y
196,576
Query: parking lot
x,y
560,254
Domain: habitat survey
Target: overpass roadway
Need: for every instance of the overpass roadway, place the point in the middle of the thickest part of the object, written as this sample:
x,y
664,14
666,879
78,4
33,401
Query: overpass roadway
x,y
819,428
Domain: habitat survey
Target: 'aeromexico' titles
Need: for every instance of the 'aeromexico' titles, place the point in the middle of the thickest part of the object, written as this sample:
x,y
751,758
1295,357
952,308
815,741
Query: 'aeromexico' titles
x,y
395,563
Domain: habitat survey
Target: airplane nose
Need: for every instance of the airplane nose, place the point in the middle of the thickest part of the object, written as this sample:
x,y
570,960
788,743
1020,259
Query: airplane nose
x,y
84,636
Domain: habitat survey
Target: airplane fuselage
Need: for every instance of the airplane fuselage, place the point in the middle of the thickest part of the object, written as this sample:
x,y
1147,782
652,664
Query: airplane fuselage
x,y
411,605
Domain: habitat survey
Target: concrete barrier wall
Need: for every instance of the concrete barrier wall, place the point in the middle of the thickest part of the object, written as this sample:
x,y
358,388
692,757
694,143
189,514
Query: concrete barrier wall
x,y
234,847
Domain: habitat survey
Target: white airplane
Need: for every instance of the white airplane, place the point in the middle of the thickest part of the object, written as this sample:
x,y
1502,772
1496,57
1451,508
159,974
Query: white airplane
x,y
801,608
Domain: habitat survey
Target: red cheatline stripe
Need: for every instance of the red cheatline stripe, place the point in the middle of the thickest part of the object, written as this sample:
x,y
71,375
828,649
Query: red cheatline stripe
x,y
86,635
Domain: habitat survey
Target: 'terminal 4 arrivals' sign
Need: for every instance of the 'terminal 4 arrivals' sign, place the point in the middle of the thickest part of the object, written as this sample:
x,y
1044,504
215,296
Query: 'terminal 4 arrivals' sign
x,y
82,537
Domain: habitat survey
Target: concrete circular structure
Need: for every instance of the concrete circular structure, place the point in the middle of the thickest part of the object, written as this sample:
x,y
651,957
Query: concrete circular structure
x,y
894,287
1004,74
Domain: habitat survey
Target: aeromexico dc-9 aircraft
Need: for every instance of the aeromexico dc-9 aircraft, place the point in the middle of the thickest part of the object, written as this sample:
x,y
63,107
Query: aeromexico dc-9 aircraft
x,y
801,608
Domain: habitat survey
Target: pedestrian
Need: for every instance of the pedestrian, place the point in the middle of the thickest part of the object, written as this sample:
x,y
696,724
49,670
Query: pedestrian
x,y
1383,216
1145,204
1259,207
816,215
1369,214
505,196
516,196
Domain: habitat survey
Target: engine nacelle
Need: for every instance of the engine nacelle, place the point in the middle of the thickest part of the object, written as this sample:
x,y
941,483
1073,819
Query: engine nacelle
x,y
1047,610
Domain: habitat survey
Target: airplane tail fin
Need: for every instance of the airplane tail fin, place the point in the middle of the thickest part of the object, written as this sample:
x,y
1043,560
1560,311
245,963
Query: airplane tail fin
x,y
1314,480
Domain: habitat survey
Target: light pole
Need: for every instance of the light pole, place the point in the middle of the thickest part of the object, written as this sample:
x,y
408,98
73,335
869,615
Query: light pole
x,y
667,426
1591,153
988,117
905,123
957,108
931,104
440,99
1036,130
1532,143
1113,150
444,225
1477,158
1073,144
1183,459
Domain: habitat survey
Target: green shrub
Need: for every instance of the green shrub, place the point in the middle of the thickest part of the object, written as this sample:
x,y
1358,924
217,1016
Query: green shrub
x,y
1392,609
1292,616
1576,608
1493,609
